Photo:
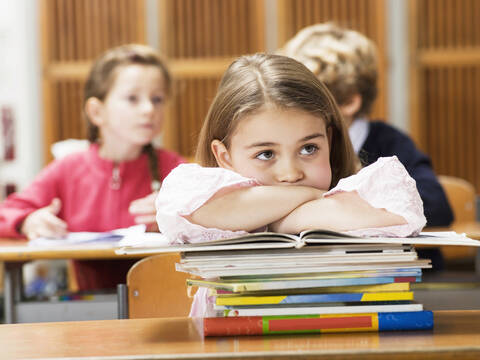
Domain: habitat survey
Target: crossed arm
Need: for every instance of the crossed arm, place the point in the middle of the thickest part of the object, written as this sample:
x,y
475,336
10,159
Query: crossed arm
x,y
290,209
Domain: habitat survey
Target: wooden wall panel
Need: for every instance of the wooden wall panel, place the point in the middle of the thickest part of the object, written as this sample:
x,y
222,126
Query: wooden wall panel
x,y
365,16
445,84
73,33
448,24
211,28
450,119
68,109
185,121
200,38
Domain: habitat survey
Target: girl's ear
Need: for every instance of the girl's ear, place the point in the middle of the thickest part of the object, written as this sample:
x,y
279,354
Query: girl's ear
x,y
221,154
94,110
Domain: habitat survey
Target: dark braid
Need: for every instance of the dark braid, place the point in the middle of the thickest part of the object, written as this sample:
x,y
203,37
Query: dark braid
x,y
153,166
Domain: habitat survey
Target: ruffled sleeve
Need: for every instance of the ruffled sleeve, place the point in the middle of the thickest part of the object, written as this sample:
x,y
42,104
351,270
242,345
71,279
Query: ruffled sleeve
x,y
186,189
386,184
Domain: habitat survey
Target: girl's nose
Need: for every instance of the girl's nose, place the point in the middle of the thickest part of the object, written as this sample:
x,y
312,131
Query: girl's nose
x,y
147,106
289,172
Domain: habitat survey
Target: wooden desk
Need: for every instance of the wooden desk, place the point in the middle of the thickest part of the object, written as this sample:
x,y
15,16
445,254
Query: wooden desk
x,y
14,253
456,334
19,251
470,229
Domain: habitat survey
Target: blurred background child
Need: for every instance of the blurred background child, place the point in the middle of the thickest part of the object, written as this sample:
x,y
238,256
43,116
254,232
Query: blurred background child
x,y
346,61
113,184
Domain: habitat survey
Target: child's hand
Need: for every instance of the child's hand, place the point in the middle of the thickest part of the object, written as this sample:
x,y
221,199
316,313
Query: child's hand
x,y
44,222
144,211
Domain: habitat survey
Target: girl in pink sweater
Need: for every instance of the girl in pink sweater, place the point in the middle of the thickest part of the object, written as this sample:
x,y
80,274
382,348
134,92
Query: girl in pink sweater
x,y
114,183
276,155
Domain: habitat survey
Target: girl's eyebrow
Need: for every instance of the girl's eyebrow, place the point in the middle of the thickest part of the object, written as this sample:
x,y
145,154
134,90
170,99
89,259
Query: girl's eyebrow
x,y
261,144
313,136
306,138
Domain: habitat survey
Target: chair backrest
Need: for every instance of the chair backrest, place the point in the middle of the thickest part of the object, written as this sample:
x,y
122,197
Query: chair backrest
x,y
156,289
461,196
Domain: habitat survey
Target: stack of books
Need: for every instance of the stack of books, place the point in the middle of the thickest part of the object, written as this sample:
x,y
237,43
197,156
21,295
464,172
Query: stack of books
x,y
316,282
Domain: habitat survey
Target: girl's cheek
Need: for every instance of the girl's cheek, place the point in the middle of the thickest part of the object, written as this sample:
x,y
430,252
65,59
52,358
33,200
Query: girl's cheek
x,y
323,178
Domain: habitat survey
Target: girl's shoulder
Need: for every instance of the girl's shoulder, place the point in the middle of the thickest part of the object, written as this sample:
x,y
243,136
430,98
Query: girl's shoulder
x,y
66,167
184,190
190,185
386,184
63,148
385,175
385,169
384,165
73,159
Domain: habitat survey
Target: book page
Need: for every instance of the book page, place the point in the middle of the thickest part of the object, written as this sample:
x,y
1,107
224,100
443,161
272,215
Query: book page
x,y
424,238
252,238
75,238
254,241
113,238
323,234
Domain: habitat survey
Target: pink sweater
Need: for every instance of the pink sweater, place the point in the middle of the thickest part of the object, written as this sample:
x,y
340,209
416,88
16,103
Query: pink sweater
x,y
384,184
83,182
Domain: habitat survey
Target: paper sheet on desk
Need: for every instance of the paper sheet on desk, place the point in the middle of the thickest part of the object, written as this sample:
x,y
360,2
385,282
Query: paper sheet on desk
x,y
146,239
84,237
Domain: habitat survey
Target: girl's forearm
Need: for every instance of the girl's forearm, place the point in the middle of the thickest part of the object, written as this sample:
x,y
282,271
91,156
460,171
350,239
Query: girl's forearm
x,y
340,212
252,208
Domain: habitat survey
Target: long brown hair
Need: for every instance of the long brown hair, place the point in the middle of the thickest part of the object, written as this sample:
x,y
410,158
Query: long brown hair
x,y
102,76
252,81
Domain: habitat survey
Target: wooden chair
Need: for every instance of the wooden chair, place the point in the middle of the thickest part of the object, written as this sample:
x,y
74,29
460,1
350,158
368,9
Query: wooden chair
x,y
156,289
462,197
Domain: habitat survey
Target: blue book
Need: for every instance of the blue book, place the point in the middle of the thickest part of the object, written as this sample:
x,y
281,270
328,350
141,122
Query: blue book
x,y
316,298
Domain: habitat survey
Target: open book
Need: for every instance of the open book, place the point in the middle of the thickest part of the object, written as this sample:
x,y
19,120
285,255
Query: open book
x,y
268,240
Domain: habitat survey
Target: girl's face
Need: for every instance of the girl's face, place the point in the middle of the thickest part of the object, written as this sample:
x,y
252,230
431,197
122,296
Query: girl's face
x,y
281,147
132,113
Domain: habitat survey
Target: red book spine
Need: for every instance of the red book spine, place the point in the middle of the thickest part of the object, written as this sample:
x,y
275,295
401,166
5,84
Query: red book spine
x,y
262,325
228,326
405,279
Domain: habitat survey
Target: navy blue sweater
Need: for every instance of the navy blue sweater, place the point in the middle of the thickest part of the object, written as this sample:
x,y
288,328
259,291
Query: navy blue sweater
x,y
385,140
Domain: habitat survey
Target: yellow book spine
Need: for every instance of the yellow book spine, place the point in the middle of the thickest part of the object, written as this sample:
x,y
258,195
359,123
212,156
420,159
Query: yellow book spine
x,y
388,296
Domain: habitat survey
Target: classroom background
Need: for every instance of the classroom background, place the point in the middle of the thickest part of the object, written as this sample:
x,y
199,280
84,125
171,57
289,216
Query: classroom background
x,y
429,61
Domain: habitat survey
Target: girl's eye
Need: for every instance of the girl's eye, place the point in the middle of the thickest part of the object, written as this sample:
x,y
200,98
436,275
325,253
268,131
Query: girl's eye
x,y
265,155
157,100
309,149
132,98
